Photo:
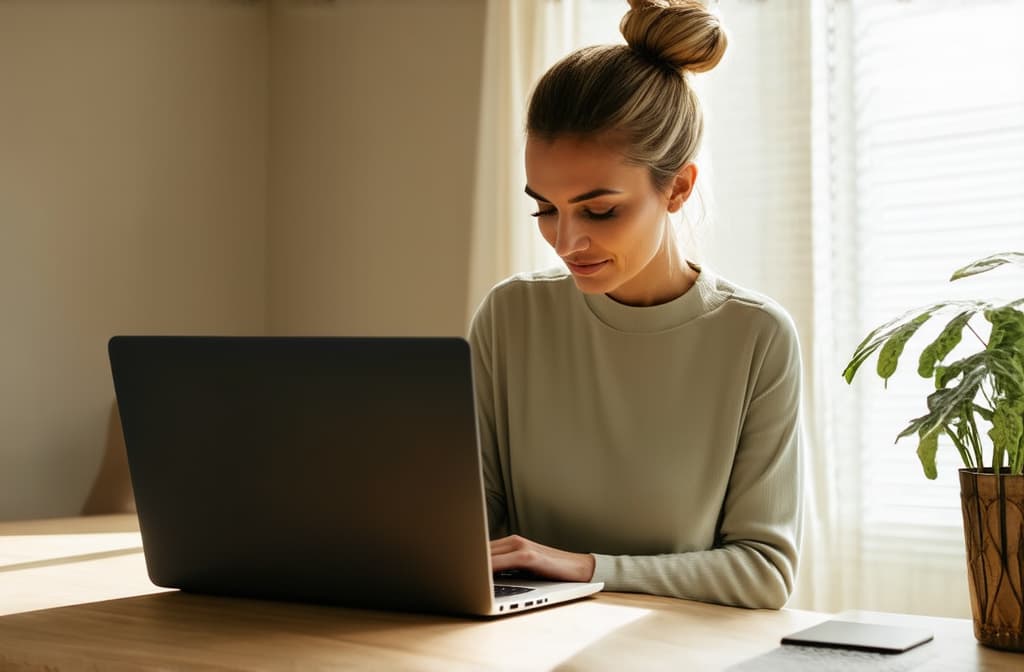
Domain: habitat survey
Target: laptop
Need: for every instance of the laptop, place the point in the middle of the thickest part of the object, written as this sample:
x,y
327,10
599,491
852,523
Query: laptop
x,y
332,470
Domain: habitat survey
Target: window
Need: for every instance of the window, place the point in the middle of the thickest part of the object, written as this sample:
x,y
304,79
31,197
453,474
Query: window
x,y
932,97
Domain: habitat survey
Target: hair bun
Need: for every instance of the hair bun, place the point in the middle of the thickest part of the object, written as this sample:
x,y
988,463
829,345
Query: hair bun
x,y
682,34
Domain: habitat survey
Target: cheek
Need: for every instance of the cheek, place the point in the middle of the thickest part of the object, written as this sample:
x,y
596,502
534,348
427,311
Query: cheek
x,y
547,230
629,236
638,238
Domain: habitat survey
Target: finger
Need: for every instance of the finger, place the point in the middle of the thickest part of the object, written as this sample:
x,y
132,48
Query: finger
x,y
508,544
501,563
525,559
517,561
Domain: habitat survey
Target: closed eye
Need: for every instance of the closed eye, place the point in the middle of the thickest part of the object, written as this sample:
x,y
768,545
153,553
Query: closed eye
x,y
607,214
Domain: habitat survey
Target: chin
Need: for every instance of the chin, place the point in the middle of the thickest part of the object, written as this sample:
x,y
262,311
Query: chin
x,y
593,285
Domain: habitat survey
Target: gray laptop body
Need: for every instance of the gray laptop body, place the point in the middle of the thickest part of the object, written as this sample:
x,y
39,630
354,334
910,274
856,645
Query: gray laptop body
x,y
331,470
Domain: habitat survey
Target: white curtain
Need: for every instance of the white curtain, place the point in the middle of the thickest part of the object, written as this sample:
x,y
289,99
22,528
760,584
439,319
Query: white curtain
x,y
522,38
765,113
857,151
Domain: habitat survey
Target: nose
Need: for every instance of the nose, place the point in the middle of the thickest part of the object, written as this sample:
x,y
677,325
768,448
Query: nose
x,y
570,236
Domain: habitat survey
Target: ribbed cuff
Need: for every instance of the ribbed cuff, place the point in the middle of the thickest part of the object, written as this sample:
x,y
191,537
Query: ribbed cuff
x,y
604,568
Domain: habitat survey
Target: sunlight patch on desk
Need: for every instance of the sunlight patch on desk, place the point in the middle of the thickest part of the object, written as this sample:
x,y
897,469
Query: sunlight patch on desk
x,y
99,524
85,557
39,548
554,634
588,623
75,583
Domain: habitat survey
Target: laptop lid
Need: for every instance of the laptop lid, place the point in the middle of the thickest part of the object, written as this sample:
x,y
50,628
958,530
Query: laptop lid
x,y
335,470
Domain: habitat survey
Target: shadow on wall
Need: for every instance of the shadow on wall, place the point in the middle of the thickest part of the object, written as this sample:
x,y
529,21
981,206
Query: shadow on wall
x,y
112,490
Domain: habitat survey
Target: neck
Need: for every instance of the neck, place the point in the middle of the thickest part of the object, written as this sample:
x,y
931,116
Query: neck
x,y
668,276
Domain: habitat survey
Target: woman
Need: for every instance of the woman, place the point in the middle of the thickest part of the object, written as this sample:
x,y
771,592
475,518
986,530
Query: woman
x,y
639,416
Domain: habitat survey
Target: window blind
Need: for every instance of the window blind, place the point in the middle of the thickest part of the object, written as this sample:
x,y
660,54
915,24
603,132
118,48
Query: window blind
x,y
937,106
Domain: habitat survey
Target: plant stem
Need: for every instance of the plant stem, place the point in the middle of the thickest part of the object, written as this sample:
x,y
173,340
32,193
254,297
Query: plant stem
x,y
980,339
961,448
987,398
975,439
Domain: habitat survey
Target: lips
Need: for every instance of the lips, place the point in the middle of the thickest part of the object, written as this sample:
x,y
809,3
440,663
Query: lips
x,y
586,268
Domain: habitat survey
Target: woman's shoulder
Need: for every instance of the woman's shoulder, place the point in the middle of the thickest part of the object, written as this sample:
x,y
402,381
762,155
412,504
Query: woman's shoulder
x,y
536,279
533,285
749,307
530,293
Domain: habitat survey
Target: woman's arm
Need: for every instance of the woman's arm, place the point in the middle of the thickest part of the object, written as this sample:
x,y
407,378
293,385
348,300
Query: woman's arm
x,y
481,335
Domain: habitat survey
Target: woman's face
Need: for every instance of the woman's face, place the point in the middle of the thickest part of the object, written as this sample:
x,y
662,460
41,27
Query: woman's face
x,y
605,219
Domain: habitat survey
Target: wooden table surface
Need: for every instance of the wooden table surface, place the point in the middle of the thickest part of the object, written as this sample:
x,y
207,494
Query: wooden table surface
x,y
74,595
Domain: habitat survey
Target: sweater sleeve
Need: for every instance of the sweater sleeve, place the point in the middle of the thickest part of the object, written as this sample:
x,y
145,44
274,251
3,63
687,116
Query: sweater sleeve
x,y
481,342
754,560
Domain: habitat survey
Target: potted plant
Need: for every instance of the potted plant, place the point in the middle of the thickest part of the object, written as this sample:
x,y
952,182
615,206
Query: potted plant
x,y
985,388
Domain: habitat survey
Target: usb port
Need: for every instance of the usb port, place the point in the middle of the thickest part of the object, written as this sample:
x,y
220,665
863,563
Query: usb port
x,y
529,604
513,606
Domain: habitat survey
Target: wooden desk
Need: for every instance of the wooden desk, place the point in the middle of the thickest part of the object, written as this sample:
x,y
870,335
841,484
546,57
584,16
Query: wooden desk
x,y
74,595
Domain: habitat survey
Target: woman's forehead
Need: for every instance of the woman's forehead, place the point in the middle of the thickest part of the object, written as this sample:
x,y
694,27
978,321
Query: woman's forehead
x,y
602,146
567,163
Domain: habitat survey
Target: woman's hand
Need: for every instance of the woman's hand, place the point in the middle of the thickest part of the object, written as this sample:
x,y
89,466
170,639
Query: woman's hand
x,y
515,552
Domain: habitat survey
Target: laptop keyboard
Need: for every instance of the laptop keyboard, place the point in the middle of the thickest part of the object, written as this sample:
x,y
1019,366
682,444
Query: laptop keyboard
x,y
505,591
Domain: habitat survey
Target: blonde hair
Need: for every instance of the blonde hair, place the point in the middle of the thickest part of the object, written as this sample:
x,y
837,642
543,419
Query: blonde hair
x,y
638,91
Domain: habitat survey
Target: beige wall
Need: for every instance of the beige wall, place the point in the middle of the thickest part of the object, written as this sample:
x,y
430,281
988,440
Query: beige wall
x,y
217,166
374,114
132,182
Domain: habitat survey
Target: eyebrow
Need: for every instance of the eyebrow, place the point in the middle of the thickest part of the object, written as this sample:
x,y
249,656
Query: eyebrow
x,y
594,193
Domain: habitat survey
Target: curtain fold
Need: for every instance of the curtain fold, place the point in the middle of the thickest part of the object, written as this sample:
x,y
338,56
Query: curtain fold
x,y
522,38
766,110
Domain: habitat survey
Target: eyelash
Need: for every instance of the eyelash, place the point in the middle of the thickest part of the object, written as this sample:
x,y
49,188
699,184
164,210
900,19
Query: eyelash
x,y
597,216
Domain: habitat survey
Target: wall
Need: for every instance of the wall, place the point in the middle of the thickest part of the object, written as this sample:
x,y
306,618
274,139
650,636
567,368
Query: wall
x,y
132,200
217,167
374,111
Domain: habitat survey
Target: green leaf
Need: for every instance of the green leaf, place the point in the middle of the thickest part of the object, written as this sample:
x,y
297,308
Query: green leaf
x,y
1007,339
986,362
1007,428
1007,328
889,356
988,263
938,349
881,335
926,450
945,403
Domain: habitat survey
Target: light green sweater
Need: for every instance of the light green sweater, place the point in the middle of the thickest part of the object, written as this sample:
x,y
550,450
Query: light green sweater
x,y
664,439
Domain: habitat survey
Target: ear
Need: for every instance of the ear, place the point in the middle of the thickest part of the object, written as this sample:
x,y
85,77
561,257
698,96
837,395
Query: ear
x,y
682,186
